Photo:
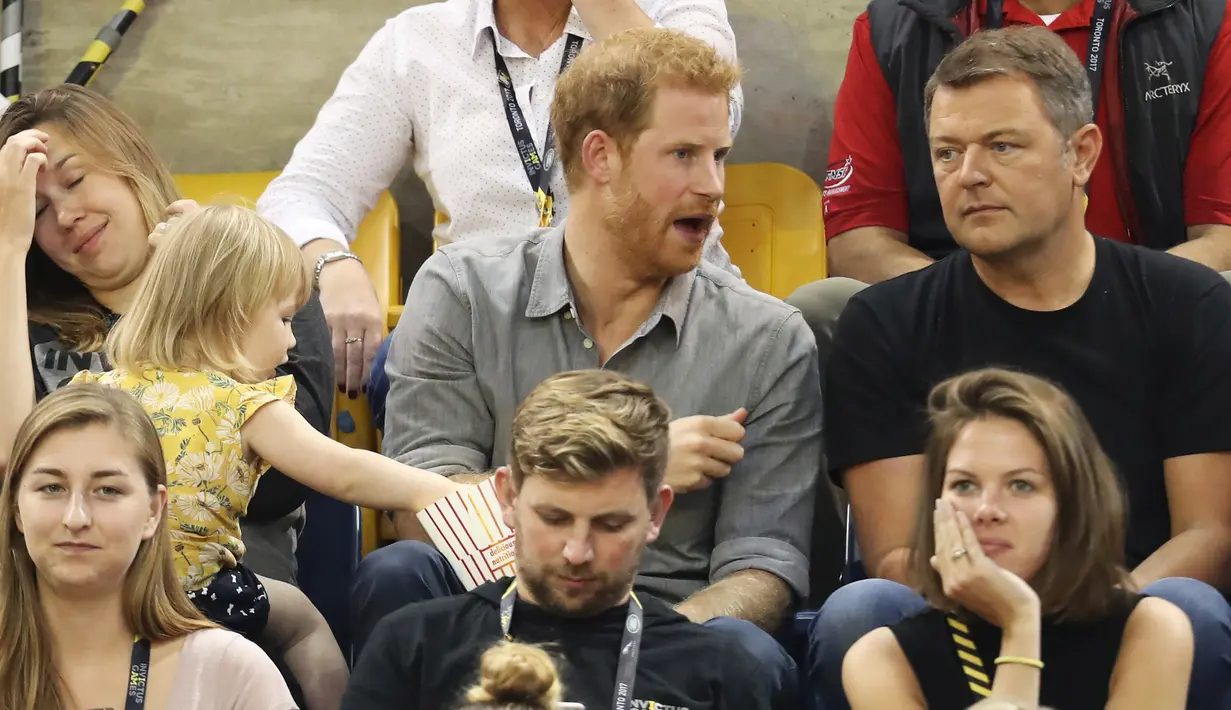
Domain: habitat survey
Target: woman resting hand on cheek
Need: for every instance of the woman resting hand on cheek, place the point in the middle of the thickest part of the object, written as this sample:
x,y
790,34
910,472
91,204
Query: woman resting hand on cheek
x,y
1019,551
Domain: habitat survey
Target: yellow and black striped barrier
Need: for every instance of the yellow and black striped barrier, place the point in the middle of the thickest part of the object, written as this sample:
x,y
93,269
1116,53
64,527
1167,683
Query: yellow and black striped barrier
x,y
105,42
10,50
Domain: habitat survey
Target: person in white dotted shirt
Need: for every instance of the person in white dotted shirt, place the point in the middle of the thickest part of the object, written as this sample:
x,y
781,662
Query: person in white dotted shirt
x,y
464,87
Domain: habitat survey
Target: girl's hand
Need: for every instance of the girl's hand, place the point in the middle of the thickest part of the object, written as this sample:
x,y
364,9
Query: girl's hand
x,y
175,210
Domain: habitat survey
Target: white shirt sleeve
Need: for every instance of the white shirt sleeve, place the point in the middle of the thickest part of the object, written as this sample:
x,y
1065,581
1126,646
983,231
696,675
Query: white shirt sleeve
x,y
351,154
706,20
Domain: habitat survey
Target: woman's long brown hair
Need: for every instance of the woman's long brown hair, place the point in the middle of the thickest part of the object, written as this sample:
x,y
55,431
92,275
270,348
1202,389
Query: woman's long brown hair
x,y
1086,562
155,605
112,143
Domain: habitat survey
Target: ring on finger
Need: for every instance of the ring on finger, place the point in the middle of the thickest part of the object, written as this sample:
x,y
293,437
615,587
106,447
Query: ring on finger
x,y
353,340
958,553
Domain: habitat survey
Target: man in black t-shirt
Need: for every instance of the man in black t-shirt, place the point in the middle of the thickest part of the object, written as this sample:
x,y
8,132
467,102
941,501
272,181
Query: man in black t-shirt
x,y
584,492
1141,339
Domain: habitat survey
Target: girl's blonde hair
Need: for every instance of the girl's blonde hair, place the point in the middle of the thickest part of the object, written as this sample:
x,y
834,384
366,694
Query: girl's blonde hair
x,y
110,141
515,676
155,606
215,269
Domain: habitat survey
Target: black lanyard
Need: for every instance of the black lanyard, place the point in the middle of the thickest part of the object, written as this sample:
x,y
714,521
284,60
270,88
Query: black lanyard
x,y
538,170
138,675
630,644
1100,36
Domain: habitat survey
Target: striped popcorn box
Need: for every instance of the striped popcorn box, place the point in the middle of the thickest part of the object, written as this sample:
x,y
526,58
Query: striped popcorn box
x,y
467,529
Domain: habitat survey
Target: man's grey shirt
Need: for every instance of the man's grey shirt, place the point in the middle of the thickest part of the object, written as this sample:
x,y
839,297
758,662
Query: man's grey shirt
x,y
487,320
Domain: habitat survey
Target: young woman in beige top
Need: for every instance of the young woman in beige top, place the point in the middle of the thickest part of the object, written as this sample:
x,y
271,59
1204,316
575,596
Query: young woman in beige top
x,y
93,617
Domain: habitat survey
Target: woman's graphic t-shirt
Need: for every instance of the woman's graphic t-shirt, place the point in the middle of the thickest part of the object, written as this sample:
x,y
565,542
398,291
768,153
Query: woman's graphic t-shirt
x,y
210,478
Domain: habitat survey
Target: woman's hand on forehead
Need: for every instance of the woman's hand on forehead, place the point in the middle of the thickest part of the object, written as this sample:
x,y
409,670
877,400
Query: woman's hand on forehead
x,y
22,157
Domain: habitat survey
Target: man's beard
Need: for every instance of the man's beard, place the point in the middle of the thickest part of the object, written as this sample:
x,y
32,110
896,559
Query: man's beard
x,y
641,235
630,219
605,590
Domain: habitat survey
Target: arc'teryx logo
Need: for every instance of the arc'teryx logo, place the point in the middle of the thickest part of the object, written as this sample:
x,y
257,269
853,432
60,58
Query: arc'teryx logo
x,y
1160,70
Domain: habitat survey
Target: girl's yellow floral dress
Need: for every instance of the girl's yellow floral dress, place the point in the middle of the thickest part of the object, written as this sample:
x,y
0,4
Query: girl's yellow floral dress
x,y
210,477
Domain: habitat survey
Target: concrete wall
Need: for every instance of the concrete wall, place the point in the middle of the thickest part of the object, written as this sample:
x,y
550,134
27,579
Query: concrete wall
x,y
231,85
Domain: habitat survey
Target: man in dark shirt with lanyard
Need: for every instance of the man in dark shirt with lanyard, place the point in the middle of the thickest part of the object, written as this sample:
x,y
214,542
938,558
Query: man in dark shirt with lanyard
x,y
584,491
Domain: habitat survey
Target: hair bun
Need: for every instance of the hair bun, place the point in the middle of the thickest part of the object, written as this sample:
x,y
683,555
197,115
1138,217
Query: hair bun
x,y
514,673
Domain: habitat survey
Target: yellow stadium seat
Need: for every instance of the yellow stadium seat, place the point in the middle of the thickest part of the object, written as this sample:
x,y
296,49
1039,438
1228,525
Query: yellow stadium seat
x,y
377,244
774,227
394,313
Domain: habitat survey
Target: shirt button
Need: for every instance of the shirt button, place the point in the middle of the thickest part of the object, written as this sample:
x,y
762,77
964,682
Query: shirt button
x,y
568,315
587,343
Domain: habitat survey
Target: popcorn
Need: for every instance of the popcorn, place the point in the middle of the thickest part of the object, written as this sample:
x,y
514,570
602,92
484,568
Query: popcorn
x,y
467,529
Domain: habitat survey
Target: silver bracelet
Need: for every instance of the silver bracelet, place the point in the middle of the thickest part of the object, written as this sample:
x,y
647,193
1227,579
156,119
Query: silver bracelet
x,y
326,258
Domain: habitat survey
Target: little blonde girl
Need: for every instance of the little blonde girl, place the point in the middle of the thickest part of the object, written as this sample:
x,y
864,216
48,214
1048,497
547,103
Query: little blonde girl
x,y
209,325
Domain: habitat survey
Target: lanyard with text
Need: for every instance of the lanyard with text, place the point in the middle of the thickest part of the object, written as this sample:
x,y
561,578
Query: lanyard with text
x,y
538,168
1100,35
138,674
630,644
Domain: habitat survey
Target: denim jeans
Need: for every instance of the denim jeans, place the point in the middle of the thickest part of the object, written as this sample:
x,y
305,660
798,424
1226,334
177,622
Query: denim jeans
x,y
378,385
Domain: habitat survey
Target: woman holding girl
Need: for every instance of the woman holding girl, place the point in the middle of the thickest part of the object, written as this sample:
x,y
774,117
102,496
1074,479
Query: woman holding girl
x,y
81,196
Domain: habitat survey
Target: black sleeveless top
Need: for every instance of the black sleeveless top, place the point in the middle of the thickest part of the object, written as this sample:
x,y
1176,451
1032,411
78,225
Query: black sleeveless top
x,y
1079,657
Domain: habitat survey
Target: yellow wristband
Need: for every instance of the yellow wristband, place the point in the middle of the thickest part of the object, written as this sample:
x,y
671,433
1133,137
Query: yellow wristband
x,y
1021,661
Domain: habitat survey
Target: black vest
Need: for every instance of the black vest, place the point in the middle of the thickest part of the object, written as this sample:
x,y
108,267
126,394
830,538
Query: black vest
x,y
1155,70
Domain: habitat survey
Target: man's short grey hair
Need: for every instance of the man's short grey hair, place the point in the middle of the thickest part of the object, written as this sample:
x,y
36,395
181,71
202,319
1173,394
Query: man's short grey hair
x,y
1035,53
